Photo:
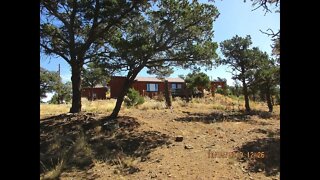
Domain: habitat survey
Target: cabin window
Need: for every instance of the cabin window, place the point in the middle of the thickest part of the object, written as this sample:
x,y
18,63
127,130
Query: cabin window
x,y
176,86
173,86
152,87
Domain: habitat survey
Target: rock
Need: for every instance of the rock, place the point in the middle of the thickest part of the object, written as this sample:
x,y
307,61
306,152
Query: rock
x,y
143,159
232,140
179,139
245,171
217,161
188,147
260,170
250,177
153,175
169,175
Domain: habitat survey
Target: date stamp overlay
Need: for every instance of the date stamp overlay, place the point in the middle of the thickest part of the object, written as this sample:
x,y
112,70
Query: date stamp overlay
x,y
237,154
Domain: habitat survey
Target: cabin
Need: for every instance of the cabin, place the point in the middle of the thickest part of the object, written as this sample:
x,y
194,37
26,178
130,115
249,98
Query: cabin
x,y
147,86
217,84
98,92
151,86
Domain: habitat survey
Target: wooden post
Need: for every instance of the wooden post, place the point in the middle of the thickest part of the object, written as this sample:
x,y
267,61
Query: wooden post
x,y
167,94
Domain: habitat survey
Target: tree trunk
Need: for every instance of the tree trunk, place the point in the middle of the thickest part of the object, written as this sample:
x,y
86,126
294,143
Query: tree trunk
x,y
269,102
253,97
127,84
91,93
167,94
246,96
76,88
202,92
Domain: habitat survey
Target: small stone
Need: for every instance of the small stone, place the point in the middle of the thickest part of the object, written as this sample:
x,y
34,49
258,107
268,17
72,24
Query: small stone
x,y
232,140
188,147
143,159
250,177
153,175
260,170
179,138
169,175
217,161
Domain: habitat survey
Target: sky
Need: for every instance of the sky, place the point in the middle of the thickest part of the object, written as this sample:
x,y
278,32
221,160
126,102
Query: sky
x,y
236,18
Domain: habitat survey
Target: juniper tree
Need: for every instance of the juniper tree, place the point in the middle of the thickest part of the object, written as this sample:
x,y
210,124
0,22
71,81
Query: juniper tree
x,y
171,34
77,30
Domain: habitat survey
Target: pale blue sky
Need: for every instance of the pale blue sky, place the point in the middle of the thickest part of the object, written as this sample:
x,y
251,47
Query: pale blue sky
x,y
236,18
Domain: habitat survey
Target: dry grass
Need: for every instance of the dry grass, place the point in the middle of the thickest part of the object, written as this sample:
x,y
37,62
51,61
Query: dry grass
x,y
219,102
116,164
99,106
77,153
55,172
53,109
152,104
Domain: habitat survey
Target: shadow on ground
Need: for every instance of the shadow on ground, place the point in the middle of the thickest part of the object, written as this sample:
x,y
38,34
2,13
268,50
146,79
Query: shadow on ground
x,y
236,116
264,155
75,141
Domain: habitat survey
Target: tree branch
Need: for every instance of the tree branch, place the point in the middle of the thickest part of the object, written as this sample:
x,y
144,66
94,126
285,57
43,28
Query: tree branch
x,y
55,13
272,34
56,52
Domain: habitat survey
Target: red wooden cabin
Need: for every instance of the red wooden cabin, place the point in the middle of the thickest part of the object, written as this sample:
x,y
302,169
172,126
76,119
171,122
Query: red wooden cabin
x,y
98,92
147,86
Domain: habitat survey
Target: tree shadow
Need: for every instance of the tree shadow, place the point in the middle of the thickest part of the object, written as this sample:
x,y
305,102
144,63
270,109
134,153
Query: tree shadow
x,y
78,140
213,117
261,114
262,155
229,116
268,132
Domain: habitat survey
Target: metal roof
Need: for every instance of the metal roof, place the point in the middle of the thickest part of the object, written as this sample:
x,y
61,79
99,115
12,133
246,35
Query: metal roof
x,y
154,79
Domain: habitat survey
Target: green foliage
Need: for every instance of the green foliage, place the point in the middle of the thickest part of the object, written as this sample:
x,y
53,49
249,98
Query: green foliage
x,y
173,33
234,90
48,80
54,99
63,93
94,75
267,78
133,98
219,90
197,80
243,61
176,33
79,31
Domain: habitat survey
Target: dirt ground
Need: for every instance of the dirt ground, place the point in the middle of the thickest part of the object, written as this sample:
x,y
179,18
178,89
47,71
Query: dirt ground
x,y
140,144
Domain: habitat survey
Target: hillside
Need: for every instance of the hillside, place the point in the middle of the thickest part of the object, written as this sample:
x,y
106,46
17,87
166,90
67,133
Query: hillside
x,y
140,143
